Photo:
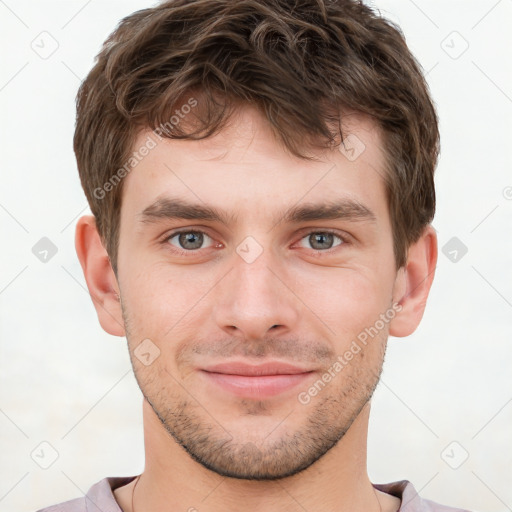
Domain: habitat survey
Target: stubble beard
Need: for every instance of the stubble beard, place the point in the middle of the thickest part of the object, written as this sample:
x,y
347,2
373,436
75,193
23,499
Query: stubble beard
x,y
266,457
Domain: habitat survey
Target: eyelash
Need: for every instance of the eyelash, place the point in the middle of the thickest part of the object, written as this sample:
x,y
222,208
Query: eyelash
x,y
183,252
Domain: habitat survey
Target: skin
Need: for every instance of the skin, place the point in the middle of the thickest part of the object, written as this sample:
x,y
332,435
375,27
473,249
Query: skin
x,y
207,448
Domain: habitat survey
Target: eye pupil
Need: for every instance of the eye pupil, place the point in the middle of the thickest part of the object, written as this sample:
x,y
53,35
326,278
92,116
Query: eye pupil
x,y
319,238
196,239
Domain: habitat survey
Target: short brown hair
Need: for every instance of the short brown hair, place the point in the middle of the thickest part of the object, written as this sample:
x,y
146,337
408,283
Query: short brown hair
x,y
297,61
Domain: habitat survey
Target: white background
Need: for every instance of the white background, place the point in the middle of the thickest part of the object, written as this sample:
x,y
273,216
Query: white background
x,y
65,382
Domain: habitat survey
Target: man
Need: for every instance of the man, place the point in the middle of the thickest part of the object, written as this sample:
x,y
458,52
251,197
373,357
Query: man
x,y
261,180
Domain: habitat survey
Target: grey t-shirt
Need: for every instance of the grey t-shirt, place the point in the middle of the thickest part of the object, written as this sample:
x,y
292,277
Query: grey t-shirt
x,y
101,498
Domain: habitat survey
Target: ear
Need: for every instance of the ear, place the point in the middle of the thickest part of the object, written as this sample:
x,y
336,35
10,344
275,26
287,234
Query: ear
x,y
413,282
99,275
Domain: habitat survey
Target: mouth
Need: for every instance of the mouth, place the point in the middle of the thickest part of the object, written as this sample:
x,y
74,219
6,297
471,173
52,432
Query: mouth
x,y
256,381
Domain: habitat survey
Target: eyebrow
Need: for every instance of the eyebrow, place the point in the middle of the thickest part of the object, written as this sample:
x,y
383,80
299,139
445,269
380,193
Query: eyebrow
x,y
177,208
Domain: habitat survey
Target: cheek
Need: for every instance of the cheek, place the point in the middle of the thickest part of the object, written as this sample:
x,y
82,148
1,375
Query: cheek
x,y
346,300
159,297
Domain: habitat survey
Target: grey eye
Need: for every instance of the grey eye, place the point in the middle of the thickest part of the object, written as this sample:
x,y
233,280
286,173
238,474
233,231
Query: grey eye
x,y
189,240
320,240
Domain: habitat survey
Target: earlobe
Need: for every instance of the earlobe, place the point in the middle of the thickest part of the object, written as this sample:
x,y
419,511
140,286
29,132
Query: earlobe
x,y
413,284
100,278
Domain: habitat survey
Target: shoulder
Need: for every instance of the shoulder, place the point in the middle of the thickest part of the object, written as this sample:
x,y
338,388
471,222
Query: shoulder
x,y
411,501
76,505
99,496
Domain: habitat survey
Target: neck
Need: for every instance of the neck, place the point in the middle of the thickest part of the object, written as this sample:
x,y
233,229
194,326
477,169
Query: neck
x,y
172,480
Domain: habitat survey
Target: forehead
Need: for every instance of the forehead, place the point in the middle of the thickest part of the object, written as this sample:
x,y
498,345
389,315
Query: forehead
x,y
244,168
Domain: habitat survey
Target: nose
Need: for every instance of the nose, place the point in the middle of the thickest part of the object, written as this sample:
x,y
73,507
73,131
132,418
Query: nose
x,y
254,300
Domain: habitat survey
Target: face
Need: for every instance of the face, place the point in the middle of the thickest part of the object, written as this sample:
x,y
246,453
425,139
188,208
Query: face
x,y
257,290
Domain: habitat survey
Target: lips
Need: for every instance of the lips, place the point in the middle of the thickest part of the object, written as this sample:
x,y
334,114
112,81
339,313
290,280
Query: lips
x,y
270,368
256,381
